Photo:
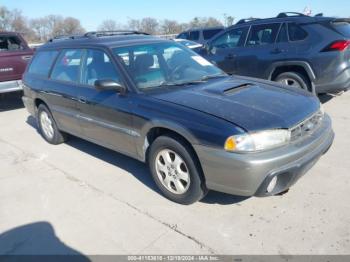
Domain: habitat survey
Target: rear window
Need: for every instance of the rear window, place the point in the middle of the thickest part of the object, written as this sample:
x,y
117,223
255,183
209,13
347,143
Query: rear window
x,y
208,34
42,63
343,28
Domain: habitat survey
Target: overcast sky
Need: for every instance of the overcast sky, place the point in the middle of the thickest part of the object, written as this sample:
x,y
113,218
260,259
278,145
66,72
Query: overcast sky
x,y
92,13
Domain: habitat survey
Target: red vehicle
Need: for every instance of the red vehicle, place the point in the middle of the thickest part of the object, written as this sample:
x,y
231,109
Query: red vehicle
x,y
14,56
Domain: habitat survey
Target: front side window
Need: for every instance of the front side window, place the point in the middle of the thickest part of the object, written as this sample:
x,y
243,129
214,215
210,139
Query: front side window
x,y
98,66
208,34
231,39
164,64
10,43
67,67
296,33
193,35
263,34
42,63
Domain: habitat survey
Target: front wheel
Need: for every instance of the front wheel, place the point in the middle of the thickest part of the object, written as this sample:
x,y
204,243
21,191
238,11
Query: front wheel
x,y
175,171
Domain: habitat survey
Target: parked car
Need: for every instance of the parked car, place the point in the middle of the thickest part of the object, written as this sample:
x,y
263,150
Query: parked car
x,y
200,35
159,102
14,55
190,44
301,51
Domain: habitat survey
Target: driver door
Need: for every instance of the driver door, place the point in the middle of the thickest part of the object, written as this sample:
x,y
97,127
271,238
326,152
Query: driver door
x,y
105,116
224,50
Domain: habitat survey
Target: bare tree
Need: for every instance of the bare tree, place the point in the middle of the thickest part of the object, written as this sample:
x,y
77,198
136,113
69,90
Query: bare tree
x,y
72,26
5,18
228,20
169,27
109,25
134,24
204,22
149,25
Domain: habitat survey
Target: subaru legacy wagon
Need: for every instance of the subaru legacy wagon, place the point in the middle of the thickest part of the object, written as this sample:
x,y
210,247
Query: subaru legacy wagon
x,y
157,101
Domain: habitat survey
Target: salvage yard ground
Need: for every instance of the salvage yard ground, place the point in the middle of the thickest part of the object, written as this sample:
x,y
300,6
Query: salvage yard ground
x,y
81,198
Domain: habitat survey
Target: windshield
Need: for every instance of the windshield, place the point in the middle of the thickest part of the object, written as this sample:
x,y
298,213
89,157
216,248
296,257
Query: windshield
x,y
165,64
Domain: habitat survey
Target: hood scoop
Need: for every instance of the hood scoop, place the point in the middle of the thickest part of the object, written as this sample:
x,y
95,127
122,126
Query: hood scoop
x,y
237,88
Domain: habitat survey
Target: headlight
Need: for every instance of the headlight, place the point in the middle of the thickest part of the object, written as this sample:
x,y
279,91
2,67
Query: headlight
x,y
257,141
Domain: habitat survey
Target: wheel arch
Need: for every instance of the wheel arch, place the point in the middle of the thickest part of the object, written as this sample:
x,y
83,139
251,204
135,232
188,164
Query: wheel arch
x,y
292,66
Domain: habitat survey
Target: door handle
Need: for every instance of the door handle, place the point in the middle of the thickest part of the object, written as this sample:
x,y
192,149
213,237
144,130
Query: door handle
x,y
82,99
230,56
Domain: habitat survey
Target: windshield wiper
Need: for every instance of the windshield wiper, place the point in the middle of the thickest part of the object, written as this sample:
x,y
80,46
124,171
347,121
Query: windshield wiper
x,y
182,83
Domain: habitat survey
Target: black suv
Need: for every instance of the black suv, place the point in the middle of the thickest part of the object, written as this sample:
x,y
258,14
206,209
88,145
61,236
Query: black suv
x,y
159,102
308,52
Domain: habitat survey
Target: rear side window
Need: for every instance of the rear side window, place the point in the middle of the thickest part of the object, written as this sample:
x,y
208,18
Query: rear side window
x,y
67,67
42,63
231,39
283,34
296,33
98,66
10,43
208,34
193,35
343,28
263,34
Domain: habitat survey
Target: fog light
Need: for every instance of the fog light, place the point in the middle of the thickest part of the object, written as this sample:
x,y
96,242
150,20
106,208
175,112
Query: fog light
x,y
272,184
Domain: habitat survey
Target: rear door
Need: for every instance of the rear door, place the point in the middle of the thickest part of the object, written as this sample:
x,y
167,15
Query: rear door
x,y
225,49
14,56
259,51
105,116
61,90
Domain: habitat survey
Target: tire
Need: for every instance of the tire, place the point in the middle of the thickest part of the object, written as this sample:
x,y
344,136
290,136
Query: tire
x,y
51,134
294,79
180,190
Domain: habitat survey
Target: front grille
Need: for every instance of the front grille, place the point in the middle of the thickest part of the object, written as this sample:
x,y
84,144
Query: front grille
x,y
307,127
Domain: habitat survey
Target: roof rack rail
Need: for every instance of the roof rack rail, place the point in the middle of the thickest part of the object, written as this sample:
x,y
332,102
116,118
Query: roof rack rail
x,y
246,20
319,15
113,33
64,37
290,14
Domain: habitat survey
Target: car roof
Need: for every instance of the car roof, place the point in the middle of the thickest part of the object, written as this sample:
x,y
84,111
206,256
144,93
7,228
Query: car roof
x,y
111,41
301,19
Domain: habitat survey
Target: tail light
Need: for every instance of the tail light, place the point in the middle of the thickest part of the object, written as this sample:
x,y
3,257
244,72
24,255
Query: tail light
x,y
340,46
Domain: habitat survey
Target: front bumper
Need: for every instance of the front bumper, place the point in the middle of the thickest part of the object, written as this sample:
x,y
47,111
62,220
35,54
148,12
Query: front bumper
x,y
10,86
249,174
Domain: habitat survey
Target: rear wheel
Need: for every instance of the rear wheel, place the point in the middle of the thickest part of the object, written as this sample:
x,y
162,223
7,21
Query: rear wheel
x,y
175,171
294,79
48,127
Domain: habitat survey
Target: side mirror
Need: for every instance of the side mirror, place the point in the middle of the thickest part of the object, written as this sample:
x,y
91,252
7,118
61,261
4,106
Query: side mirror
x,y
110,85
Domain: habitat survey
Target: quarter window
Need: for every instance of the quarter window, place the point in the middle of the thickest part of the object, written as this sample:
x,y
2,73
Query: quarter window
x,y
42,63
231,39
98,66
263,34
67,67
296,33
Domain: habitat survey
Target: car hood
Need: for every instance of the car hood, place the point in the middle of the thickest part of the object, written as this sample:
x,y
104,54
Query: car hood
x,y
249,103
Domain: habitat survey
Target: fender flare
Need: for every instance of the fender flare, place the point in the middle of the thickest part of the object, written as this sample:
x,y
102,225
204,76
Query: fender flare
x,y
143,144
305,65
